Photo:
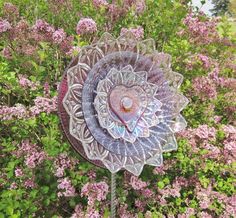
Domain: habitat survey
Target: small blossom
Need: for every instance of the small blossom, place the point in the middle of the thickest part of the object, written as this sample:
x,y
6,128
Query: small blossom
x,y
137,184
13,186
29,183
137,32
67,189
95,191
42,26
10,10
26,83
18,111
100,3
205,132
140,6
4,26
204,88
6,53
18,172
34,158
58,36
205,60
43,104
86,26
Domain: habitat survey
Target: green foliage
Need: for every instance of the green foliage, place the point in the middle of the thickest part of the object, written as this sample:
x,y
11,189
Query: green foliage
x,y
162,20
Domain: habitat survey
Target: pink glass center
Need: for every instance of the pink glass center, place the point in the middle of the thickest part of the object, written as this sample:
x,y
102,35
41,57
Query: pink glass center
x,y
126,103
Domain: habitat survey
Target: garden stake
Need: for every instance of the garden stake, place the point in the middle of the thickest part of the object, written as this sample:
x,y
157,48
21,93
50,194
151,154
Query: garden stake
x,y
113,195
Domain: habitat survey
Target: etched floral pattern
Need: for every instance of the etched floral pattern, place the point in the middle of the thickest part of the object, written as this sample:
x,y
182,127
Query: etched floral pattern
x,y
124,103
133,83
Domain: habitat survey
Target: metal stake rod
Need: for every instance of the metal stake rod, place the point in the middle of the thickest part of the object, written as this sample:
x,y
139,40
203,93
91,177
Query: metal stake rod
x,y
113,195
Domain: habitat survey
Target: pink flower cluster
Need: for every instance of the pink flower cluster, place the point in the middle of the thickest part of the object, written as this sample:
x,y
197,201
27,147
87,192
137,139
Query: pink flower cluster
x,y
43,104
58,36
32,153
62,163
42,26
100,3
90,213
66,187
140,6
4,26
86,26
230,143
45,32
10,11
18,172
16,112
207,196
123,212
19,111
205,132
201,31
205,88
137,32
29,183
24,82
202,137
95,191
205,60
137,184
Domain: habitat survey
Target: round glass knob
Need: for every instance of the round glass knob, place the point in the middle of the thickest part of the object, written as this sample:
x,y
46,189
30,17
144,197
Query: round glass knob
x,y
127,103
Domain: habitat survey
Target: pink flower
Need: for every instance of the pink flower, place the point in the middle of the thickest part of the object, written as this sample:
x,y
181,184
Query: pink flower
x,y
78,212
86,26
42,26
147,193
137,32
73,51
62,163
43,104
34,158
66,45
26,83
4,26
189,212
95,191
6,53
214,74
205,215
159,170
229,129
100,3
92,213
203,32
10,10
140,205
13,186
205,132
16,112
205,60
123,212
214,152
204,88
58,36
140,6
29,183
67,189
18,172
136,183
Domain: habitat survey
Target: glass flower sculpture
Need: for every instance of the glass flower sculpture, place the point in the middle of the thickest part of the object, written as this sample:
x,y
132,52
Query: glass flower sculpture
x,y
120,103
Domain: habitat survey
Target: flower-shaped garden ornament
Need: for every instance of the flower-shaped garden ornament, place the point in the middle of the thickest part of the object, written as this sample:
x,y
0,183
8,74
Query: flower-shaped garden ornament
x,y
120,104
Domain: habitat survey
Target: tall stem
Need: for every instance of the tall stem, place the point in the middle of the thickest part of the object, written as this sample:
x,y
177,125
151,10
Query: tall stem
x,y
113,195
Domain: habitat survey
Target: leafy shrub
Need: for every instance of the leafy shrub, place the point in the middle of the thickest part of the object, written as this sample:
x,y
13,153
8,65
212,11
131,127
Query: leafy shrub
x,y
41,176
